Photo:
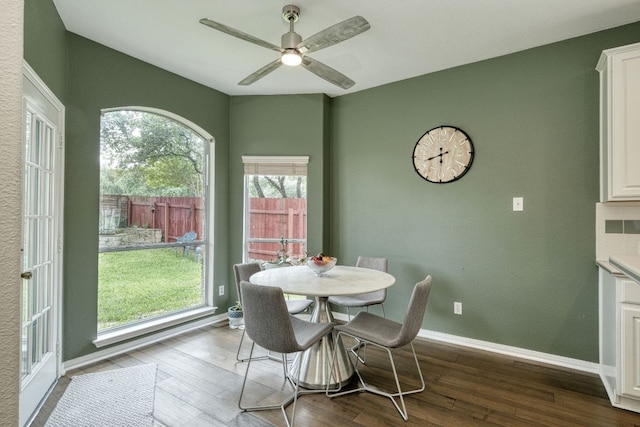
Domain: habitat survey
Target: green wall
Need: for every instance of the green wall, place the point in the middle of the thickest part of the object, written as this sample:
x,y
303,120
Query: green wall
x,y
526,279
99,78
45,48
286,125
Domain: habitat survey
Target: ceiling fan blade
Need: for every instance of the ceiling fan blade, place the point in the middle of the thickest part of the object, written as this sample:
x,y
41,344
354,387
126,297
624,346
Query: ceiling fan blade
x,y
254,77
239,34
335,34
329,74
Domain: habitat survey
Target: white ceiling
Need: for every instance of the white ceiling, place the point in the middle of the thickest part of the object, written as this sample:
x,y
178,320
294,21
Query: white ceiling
x,y
407,38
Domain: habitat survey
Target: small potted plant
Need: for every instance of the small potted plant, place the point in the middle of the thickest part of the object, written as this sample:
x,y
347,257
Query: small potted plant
x,y
236,316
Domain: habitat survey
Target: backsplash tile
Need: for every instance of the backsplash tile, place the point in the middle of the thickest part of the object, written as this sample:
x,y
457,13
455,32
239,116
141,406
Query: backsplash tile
x,y
631,227
613,226
617,229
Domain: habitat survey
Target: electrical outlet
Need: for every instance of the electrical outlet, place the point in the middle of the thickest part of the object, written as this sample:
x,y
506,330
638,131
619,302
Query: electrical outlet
x,y
518,204
457,308
221,290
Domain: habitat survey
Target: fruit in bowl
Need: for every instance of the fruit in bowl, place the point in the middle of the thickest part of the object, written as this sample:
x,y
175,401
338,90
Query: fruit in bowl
x,y
321,263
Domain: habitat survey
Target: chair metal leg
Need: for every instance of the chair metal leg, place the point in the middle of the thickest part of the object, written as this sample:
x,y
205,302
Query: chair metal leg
x,y
403,411
268,356
285,368
355,349
240,347
282,405
336,391
399,394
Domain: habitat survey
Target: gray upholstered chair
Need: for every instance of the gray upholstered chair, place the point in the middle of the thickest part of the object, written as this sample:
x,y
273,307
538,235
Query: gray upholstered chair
x,y
243,272
367,299
388,334
268,323
363,300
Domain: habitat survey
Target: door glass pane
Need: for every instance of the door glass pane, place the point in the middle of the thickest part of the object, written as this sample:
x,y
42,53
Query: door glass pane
x,y
34,247
34,341
46,246
36,142
35,288
28,132
24,339
47,147
44,338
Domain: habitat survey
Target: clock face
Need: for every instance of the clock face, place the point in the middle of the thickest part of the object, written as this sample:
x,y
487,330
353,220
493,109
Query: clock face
x,y
443,154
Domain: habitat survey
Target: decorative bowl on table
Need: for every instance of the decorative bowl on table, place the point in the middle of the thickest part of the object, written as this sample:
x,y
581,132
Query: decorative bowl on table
x,y
320,265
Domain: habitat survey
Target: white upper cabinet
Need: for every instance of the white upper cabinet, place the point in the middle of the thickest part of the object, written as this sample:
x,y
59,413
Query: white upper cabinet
x,y
620,123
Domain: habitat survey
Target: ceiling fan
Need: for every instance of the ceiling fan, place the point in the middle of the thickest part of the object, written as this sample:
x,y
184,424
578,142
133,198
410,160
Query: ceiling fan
x,y
294,50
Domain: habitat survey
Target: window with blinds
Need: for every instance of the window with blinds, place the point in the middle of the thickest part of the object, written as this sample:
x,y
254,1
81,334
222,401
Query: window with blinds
x,y
275,226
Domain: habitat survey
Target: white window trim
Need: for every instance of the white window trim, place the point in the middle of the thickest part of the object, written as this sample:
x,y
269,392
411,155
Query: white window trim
x,y
276,159
154,325
109,337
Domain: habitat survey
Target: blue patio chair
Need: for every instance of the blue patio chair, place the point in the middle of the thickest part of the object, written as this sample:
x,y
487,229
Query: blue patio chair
x,y
188,237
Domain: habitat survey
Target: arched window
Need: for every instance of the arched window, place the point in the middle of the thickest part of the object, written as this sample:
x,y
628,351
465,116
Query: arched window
x,y
154,221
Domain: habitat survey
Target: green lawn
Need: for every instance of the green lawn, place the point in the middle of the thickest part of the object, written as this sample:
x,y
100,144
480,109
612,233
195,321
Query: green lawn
x,y
141,284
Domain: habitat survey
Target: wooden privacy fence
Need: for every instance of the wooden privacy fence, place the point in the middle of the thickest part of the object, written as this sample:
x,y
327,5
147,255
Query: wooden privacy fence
x,y
276,219
269,218
175,216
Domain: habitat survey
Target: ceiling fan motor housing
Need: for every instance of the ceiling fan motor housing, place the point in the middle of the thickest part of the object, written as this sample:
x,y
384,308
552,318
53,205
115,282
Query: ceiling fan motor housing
x,y
290,40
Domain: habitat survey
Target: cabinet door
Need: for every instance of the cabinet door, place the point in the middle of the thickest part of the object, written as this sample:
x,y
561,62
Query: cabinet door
x,y
629,373
624,126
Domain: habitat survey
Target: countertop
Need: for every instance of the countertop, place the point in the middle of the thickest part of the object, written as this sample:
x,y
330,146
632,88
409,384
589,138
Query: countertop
x,y
609,267
629,265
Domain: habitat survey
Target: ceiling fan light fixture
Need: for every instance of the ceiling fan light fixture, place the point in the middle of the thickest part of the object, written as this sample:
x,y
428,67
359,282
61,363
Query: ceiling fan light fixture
x,y
291,57
293,50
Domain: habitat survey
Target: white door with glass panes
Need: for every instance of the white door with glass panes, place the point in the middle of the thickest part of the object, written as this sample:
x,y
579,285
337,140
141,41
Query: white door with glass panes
x,y
43,119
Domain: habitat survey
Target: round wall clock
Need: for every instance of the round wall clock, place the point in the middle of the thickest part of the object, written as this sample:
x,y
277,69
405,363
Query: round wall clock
x,y
443,154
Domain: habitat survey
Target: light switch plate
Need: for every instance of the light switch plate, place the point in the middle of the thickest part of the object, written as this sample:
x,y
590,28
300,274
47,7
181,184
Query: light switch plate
x,y
457,307
518,204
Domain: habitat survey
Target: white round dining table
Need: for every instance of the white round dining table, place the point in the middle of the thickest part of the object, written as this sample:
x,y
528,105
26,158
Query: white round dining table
x,y
340,280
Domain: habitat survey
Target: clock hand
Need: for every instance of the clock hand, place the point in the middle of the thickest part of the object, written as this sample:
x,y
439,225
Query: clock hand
x,y
439,155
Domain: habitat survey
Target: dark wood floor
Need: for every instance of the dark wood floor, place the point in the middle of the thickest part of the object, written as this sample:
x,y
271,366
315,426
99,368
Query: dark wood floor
x,y
199,380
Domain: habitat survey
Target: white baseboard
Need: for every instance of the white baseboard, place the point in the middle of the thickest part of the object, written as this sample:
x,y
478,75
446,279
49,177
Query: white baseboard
x,y
138,343
523,353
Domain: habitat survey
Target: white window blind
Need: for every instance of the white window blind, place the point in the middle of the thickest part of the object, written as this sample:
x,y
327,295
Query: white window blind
x,y
275,165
